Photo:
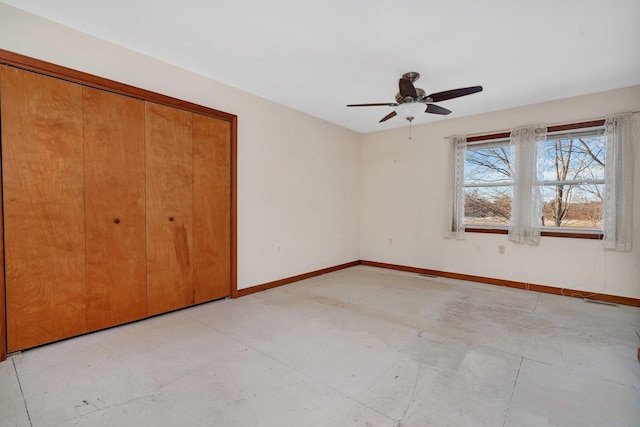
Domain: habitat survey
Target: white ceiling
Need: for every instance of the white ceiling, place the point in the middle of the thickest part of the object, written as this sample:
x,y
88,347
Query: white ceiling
x,y
318,56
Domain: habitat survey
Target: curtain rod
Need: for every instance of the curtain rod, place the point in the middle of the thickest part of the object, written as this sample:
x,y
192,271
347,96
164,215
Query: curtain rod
x,y
549,125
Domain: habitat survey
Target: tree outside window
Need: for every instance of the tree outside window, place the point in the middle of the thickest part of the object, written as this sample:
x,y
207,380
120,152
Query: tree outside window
x,y
572,166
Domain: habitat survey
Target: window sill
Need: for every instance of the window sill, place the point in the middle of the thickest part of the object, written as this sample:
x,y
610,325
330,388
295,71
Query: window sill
x,y
578,234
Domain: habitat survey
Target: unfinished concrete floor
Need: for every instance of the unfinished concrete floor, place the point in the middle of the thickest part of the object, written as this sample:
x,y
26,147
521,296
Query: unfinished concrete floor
x,y
358,347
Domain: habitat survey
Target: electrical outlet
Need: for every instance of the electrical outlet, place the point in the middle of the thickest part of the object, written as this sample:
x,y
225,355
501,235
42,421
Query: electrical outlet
x,y
501,249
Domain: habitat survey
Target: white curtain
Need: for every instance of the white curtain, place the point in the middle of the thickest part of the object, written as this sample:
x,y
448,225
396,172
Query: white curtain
x,y
454,222
618,196
526,204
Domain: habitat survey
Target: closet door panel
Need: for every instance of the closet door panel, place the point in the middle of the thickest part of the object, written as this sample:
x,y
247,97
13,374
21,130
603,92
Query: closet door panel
x,y
42,167
211,208
115,208
169,182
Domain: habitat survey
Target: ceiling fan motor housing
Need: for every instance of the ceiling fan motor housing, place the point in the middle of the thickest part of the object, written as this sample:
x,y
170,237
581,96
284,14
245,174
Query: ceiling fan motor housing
x,y
421,97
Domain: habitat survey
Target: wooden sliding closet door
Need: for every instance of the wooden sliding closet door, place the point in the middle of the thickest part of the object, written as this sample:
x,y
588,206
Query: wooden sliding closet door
x,y
169,180
211,208
115,208
42,168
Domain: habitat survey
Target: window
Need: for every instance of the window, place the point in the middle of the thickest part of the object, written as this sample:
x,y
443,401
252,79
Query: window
x,y
572,180
488,184
573,185
570,174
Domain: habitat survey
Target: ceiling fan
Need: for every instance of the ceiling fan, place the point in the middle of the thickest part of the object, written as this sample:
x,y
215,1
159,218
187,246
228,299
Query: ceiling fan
x,y
411,101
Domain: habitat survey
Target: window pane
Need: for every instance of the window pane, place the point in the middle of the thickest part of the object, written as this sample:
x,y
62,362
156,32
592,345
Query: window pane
x,y
488,165
574,158
487,205
574,206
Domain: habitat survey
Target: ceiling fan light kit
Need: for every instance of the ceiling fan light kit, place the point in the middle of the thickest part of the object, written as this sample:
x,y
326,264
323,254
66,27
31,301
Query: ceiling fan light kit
x,y
410,110
412,101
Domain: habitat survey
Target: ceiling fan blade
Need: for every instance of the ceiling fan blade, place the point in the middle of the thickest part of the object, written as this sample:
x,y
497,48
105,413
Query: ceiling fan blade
x,y
454,93
436,109
387,117
386,104
407,89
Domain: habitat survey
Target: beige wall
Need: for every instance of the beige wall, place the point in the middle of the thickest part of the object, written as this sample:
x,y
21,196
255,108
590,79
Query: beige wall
x,y
298,176
404,186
